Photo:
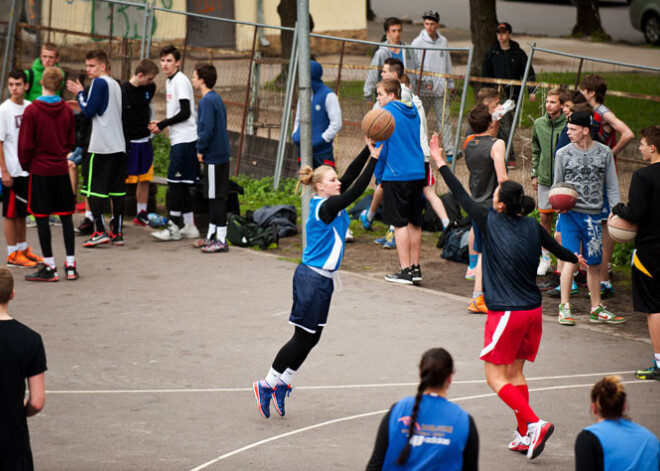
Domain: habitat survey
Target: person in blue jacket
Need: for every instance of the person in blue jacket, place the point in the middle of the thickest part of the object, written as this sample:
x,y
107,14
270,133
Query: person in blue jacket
x,y
213,152
313,282
427,431
326,119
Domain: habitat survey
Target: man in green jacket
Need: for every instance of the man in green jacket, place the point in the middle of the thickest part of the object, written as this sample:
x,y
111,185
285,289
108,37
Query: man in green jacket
x,y
545,134
48,58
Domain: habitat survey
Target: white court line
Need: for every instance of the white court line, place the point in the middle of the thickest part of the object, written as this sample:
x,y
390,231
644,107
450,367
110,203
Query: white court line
x,y
369,414
346,386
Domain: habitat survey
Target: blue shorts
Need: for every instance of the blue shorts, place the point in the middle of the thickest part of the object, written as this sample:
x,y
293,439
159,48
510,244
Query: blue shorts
x,y
140,162
605,212
184,166
581,229
478,243
312,293
76,156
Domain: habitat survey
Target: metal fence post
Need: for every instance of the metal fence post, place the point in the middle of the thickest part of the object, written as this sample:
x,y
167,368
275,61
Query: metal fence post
x,y
8,58
247,104
305,100
254,98
521,97
145,25
462,108
150,26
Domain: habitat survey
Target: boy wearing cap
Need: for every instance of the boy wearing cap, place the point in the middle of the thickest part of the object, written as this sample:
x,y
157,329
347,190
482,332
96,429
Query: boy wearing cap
x,y
435,91
589,166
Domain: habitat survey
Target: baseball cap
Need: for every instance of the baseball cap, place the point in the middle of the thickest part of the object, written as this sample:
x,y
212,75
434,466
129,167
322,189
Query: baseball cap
x,y
580,118
504,27
431,15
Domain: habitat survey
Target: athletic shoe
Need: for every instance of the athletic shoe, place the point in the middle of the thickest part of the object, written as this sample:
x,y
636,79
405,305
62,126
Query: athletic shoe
x,y
281,391
449,158
86,227
141,219
262,393
551,283
44,273
189,231
538,434
199,243
649,373
478,305
29,254
556,292
389,243
580,278
80,207
18,259
403,276
171,232
117,239
349,236
216,247
416,273
545,265
602,316
519,443
606,291
471,273
54,220
565,314
30,221
366,223
71,272
97,238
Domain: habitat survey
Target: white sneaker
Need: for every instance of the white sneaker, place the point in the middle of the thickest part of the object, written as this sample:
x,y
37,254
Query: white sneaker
x,y
519,443
349,236
189,231
171,232
538,434
545,265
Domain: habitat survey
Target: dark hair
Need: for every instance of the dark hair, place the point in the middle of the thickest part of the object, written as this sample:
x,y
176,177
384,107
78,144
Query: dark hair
x,y
390,86
18,74
583,106
396,66
609,397
479,118
6,285
574,96
146,67
171,50
207,73
595,83
515,201
652,136
99,56
434,369
392,20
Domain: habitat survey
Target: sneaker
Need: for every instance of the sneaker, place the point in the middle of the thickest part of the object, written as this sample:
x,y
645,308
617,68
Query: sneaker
x,y
565,314
30,255
449,158
403,276
262,393
80,207
551,283
389,243
478,305
216,247
470,273
86,227
416,273
117,239
18,259
281,391
649,373
199,243
171,232
54,220
606,291
44,273
556,292
580,278
97,238
366,223
189,231
545,265
538,434
349,236
519,443
600,315
71,272
30,221
141,219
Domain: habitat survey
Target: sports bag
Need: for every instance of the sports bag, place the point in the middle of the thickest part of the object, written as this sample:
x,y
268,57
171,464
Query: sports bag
x,y
244,233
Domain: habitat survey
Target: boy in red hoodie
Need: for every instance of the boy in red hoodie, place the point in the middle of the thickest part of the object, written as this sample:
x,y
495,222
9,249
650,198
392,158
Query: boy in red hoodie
x,y
45,138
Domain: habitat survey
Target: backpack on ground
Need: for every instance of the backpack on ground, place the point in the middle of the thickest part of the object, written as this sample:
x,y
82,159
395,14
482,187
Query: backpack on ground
x,y
455,247
244,233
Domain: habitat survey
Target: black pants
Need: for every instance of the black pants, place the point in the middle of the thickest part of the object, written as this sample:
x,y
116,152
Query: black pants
x,y
43,228
295,351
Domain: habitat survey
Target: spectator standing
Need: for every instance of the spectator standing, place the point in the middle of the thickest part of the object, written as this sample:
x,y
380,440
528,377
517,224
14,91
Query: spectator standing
x,y
48,57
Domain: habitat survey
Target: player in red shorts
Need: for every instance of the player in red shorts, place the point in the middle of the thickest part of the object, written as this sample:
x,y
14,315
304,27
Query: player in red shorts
x,y
511,249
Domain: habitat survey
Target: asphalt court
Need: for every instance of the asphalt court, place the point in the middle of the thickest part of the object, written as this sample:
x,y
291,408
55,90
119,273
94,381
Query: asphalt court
x,y
152,353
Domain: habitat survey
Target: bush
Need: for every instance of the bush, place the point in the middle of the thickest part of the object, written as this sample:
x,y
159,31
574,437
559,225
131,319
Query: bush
x,y
161,155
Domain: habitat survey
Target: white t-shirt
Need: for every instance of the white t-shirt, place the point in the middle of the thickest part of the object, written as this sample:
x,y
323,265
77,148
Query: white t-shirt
x,y
178,88
11,115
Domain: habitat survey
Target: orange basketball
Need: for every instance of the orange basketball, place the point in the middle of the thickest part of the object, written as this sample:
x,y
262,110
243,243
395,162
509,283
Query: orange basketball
x,y
621,230
378,124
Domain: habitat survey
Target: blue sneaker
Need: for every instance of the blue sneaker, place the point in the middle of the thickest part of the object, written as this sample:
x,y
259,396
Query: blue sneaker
x,y
556,292
281,391
390,243
606,291
366,223
263,393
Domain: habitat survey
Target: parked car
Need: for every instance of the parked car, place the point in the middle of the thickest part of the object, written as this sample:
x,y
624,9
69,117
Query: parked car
x,y
645,17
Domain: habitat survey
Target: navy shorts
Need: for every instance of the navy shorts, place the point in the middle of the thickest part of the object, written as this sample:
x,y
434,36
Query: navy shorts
x,y
140,162
184,166
478,243
312,293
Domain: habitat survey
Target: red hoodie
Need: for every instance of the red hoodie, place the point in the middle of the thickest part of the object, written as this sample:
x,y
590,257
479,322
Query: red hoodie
x,y
45,138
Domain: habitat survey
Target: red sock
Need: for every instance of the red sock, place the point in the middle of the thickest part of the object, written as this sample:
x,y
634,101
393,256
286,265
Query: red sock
x,y
522,425
513,398
523,390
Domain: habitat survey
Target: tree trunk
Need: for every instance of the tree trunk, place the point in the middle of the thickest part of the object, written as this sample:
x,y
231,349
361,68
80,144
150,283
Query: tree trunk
x,y
483,21
588,20
370,13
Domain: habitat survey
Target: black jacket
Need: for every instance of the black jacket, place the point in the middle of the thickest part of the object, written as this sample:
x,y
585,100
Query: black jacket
x,y
508,64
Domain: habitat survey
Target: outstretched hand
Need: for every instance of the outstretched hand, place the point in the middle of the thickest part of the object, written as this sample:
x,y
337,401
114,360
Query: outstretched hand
x,y
581,261
371,144
74,87
437,151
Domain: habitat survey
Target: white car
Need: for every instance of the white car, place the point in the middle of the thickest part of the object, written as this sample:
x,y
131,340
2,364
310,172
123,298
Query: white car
x,y
645,17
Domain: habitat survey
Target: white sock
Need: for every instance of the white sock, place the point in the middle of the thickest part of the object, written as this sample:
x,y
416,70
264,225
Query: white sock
x,y
391,228
22,245
221,234
476,294
445,222
211,231
50,261
88,215
657,359
70,260
370,216
11,249
188,218
287,376
272,378
141,207
606,284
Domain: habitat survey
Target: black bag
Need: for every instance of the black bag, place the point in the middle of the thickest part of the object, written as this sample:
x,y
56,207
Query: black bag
x,y
456,244
244,233
431,221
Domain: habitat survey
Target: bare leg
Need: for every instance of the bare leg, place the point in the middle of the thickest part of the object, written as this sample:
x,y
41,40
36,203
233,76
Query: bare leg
x,y
11,232
567,280
415,234
73,175
402,238
608,248
436,202
142,192
478,280
376,200
593,282
20,230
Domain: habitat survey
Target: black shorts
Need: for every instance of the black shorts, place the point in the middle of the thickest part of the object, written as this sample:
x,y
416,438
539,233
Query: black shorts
x,y
105,175
645,288
50,195
216,181
184,166
402,203
14,198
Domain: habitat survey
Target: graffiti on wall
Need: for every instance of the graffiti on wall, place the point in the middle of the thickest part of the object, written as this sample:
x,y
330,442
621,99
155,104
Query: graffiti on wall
x,y
121,20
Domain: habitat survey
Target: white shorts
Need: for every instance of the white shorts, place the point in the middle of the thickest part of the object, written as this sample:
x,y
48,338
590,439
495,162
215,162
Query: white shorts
x,y
543,201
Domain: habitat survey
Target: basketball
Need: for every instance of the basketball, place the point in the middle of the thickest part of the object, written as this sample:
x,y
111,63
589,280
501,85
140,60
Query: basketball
x,y
563,196
378,124
621,230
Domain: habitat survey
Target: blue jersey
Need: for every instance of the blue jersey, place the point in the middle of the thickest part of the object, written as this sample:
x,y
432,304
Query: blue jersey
x,y
626,445
325,242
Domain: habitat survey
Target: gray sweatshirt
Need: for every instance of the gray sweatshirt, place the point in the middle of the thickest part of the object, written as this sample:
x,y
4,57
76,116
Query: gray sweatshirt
x,y
383,53
593,174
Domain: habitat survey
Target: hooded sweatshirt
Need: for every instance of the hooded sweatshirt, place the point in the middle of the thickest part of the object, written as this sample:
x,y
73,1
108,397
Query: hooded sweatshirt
x,y
401,158
46,137
409,59
34,79
434,61
545,140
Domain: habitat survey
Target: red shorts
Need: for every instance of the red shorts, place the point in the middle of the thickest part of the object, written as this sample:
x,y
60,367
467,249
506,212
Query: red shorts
x,y
512,335
428,174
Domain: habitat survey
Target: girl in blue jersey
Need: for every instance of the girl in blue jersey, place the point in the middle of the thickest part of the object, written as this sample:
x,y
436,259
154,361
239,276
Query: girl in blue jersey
x,y
614,442
427,432
313,280
511,249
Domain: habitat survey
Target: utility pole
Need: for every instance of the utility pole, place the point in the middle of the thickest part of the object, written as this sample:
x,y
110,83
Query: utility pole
x,y
305,97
